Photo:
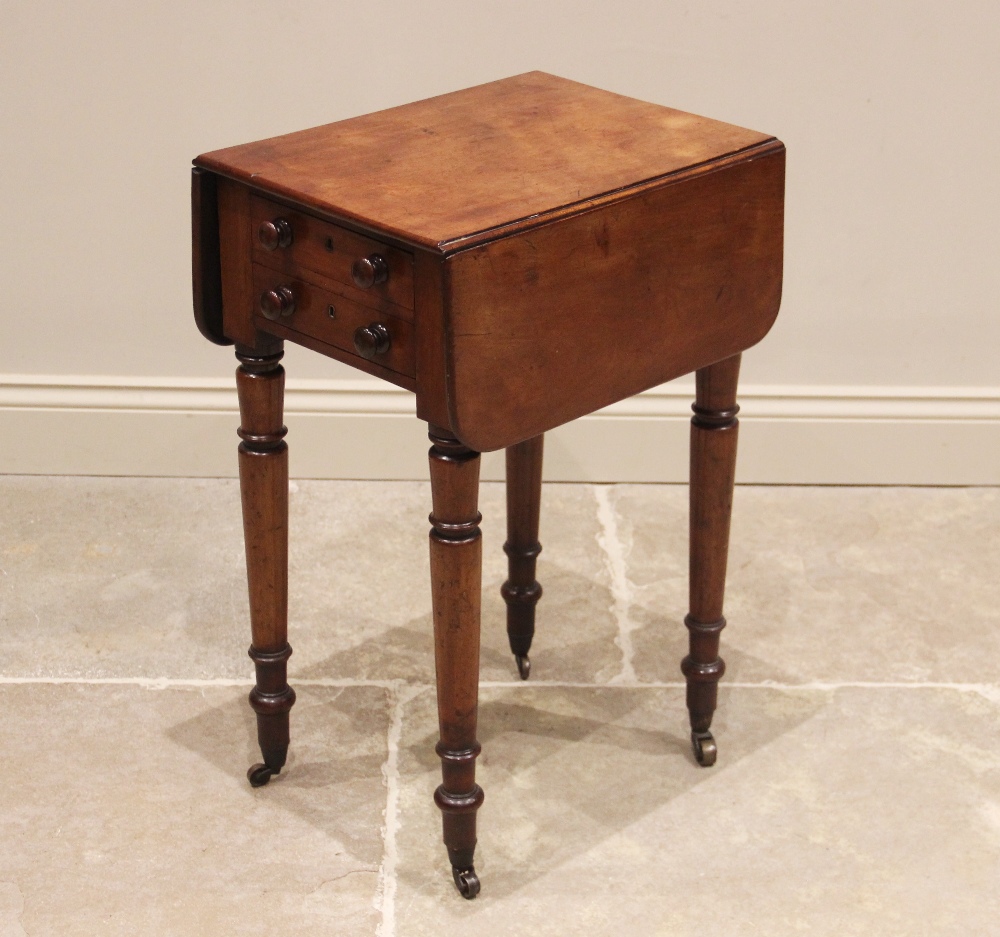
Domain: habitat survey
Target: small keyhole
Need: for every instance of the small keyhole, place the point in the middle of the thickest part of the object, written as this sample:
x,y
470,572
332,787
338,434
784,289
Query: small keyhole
x,y
329,244
331,311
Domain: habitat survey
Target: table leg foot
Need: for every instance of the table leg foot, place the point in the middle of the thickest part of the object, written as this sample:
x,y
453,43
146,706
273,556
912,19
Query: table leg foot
x,y
466,881
705,750
258,775
522,591
271,699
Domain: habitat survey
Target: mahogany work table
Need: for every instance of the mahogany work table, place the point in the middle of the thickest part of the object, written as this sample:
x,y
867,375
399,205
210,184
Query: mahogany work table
x,y
517,254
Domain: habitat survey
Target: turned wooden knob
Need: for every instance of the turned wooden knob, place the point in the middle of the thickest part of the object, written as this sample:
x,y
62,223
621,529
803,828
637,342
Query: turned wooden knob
x,y
277,302
274,234
370,270
372,340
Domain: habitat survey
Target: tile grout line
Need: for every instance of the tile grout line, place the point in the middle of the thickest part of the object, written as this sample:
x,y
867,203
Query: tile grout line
x,y
409,690
621,588
164,683
385,898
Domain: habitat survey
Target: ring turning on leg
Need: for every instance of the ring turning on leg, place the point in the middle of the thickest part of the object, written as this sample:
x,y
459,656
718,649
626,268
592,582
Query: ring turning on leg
x,y
263,457
458,813
456,586
521,591
703,685
714,429
271,699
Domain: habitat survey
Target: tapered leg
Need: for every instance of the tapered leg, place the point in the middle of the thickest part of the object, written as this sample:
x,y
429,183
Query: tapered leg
x,y
521,591
456,584
263,453
714,429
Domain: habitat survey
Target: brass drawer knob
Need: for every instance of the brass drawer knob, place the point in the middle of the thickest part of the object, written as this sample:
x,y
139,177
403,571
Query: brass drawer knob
x,y
277,302
372,340
275,234
370,270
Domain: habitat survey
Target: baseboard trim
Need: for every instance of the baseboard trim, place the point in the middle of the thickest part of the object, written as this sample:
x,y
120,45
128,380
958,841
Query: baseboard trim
x,y
359,428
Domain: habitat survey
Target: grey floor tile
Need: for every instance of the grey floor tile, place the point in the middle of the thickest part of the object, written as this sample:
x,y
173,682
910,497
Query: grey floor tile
x,y
126,811
828,584
108,577
575,629
361,593
862,810
857,811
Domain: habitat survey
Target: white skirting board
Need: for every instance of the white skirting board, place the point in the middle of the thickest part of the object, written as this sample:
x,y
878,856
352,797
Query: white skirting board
x,y
361,428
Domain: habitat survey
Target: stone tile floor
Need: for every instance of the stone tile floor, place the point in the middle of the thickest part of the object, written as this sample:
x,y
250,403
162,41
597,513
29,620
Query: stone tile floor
x,y
858,783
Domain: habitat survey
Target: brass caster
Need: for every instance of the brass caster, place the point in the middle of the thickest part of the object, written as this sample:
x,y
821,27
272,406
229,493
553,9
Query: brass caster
x,y
259,775
523,665
466,881
705,750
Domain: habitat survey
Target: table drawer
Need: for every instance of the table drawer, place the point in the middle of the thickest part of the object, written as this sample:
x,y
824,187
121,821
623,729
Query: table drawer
x,y
332,318
290,241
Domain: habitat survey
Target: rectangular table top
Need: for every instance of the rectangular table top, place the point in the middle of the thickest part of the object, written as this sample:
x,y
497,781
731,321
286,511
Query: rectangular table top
x,y
461,168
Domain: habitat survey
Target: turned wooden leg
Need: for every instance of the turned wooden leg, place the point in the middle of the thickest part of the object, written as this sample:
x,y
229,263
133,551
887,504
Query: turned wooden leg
x,y
521,591
714,430
260,381
456,584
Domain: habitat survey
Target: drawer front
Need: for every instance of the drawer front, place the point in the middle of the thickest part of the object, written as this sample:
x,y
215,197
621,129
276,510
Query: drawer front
x,y
333,318
291,241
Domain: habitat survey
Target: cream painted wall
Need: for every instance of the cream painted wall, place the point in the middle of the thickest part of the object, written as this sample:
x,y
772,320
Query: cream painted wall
x,y
889,112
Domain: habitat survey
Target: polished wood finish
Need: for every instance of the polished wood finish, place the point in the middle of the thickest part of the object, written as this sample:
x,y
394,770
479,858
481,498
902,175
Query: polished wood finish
x,y
714,433
469,166
206,267
456,589
429,285
522,591
674,279
372,341
370,271
238,300
310,316
332,251
277,301
263,456
275,233
327,347
511,189
518,254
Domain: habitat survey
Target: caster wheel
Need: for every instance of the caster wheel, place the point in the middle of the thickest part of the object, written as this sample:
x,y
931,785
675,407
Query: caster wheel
x,y
467,882
523,665
259,775
705,750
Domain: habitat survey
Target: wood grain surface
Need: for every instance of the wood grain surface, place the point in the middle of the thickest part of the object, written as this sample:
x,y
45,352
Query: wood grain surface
x,y
560,321
329,251
312,317
451,170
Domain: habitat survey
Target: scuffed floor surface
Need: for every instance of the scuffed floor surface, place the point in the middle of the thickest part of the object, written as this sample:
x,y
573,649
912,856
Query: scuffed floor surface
x,y
857,790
